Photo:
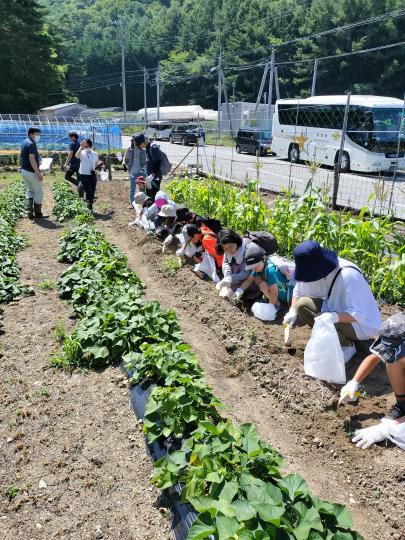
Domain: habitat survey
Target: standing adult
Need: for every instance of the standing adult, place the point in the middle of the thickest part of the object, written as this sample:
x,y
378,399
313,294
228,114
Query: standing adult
x,y
87,170
31,174
335,289
135,161
153,164
72,163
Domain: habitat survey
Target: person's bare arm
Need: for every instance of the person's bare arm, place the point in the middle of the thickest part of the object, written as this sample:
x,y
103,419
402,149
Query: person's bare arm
x,y
79,152
34,165
69,157
366,367
270,292
247,283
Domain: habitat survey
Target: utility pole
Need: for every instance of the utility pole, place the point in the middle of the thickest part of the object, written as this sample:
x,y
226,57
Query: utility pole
x,y
276,82
124,92
270,101
338,164
144,96
228,110
233,91
219,91
314,77
259,95
158,92
265,98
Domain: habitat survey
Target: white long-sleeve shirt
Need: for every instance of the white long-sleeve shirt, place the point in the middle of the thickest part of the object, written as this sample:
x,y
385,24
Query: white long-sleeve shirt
x,y
351,294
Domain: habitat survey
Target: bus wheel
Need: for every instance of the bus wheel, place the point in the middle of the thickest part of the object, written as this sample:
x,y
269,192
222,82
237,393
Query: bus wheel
x,y
293,153
345,163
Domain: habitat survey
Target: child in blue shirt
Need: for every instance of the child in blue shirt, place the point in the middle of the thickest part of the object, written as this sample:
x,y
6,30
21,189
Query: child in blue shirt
x,y
275,286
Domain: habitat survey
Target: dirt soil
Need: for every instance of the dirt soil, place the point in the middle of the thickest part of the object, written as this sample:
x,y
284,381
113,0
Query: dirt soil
x,y
73,463
260,381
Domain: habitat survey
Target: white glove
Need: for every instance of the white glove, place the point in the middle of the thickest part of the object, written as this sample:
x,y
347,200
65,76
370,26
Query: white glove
x,y
238,294
225,282
330,316
148,180
291,317
180,252
365,437
349,392
168,240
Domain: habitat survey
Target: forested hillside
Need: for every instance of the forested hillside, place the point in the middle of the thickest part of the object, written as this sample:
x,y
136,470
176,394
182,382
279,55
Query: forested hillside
x,y
186,36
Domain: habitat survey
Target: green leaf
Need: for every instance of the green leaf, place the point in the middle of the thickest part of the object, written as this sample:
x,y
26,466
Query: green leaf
x,y
213,506
227,527
229,491
202,527
294,485
243,510
270,514
98,352
342,536
311,520
343,517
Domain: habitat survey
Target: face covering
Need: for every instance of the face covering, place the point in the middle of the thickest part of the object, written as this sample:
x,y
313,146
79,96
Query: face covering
x,y
36,138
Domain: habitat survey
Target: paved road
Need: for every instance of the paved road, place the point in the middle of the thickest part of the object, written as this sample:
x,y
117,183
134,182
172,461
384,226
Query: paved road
x,y
275,174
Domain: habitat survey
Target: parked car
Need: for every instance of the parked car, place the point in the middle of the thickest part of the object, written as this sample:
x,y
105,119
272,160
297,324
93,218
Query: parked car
x,y
158,130
186,134
253,141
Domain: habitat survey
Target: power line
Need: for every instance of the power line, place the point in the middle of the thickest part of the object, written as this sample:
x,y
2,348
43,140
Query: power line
x,y
360,51
357,24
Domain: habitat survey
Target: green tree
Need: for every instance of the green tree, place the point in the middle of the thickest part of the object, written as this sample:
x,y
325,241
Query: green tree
x,y
30,68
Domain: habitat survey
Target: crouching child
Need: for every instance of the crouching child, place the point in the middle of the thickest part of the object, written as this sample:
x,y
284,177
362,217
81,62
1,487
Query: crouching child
x,y
273,276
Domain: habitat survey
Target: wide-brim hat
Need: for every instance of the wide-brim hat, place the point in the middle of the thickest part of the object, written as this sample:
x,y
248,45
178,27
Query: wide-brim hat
x,y
390,344
313,262
140,197
167,211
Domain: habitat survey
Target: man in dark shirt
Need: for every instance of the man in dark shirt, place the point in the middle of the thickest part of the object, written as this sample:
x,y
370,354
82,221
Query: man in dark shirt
x,y
153,164
31,174
72,164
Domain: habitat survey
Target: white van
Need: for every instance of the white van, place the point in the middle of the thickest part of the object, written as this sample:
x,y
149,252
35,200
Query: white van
x,y
158,130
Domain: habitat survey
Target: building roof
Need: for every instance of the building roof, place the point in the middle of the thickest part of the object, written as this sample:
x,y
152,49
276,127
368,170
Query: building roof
x,y
368,101
61,106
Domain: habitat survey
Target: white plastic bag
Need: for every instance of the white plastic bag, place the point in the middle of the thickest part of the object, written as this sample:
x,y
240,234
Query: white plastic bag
x,y
264,312
323,356
207,265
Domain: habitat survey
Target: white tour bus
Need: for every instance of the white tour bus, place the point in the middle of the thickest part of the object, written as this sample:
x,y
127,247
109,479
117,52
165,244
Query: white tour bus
x,y
311,129
159,130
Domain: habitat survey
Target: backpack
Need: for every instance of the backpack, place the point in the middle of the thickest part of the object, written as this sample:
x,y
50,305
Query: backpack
x,y
214,224
263,239
285,266
165,165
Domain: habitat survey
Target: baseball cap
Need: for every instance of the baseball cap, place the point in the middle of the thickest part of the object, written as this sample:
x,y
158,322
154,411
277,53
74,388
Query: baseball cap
x,y
254,254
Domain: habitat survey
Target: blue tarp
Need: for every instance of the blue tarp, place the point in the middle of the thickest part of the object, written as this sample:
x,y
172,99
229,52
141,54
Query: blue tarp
x,y
55,136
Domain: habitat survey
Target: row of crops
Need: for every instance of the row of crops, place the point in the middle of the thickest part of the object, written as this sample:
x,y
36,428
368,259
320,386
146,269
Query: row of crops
x,y
12,207
230,481
376,244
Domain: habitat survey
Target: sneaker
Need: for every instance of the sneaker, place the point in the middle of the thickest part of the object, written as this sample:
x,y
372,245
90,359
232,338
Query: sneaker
x,y
396,412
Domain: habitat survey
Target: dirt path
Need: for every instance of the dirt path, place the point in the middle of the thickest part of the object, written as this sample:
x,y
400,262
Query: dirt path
x,y
260,382
69,443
